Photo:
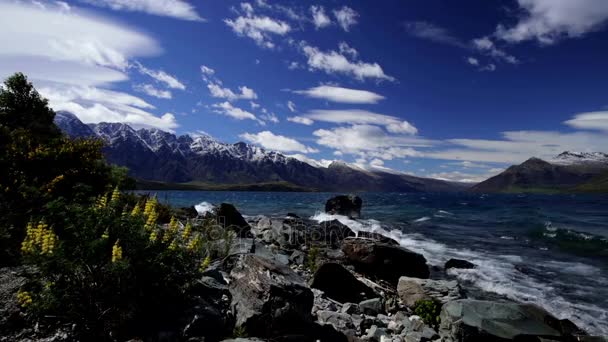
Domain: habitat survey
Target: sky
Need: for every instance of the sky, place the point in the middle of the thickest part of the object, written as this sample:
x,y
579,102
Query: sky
x,y
434,88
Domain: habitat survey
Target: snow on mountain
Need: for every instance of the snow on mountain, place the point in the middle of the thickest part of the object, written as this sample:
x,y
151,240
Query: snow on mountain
x,y
574,158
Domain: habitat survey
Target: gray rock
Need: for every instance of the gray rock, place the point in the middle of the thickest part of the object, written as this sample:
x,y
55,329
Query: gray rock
x,y
375,333
344,205
351,308
11,279
372,306
485,319
384,261
458,263
230,218
269,299
321,303
340,321
429,333
411,290
339,284
297,258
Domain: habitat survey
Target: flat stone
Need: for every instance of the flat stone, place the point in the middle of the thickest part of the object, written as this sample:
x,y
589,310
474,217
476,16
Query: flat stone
x,y
411,290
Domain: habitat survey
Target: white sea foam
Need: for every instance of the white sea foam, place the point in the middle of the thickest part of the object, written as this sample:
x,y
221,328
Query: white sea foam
x,y
497,273
422,219
203,208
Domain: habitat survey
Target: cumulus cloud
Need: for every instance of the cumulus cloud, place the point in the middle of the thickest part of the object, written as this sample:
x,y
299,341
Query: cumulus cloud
x,y
94,105
548,21
227,109
473,61
301,120
356,116
150,90
464,177
161,77
272,117
244,92
485,45
258,28
177,9
291,106
70,55
341,95
205,70
275,142
346,17
335,62
319,18
591,121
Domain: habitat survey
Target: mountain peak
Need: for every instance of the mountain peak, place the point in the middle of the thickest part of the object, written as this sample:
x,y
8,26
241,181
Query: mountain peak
x,y
571,157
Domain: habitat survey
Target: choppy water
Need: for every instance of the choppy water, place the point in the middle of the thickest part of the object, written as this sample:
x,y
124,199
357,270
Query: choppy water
x,y
551,250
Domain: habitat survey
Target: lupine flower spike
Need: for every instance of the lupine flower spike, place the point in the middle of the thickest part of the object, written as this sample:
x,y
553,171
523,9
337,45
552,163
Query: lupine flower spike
x,y
116,252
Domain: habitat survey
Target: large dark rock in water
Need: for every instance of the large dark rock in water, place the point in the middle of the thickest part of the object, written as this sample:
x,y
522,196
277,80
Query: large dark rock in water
x,y
458,263
340,285
331,233
476,320
344,205
384,261
230,218
269,299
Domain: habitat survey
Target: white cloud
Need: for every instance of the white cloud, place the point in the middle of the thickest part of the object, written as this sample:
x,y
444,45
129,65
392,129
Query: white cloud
x,y
69,54
335,62
272,117
473,61
432,32
592,121
547,21
518,146
271,141
323,163
356,116
346,49
293,66
226,108
205,70
319,18
464,177
368,141
291,106
178,9
94,105
150,90
346,17
244,93
488,67
301,120
487,46
341,95
161,76
254,105
258,28
80,38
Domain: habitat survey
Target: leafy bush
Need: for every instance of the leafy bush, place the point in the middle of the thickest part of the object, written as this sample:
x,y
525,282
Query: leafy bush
x,y
110,268
312,259
429,311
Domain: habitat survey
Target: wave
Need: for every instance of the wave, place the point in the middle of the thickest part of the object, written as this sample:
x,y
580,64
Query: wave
x,y
572,241
203,208
508,276
422,219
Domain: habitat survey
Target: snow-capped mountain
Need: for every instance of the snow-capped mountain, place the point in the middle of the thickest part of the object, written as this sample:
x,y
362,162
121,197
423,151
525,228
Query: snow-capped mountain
x,y
153,154
572,158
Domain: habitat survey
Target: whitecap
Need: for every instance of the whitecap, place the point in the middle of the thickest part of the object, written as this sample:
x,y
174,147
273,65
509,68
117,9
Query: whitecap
x,y
203,208
422,219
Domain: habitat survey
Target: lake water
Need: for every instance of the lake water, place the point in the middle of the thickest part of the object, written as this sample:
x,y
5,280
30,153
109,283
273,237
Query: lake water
x,y
551,250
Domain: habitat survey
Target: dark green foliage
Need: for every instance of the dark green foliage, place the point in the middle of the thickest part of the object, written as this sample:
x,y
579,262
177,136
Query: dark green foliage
x,y
312,259
429,311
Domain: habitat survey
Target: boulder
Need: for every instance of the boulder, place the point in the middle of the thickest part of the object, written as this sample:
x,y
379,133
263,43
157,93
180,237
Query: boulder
x,y
476,320
268,298
411,290
458,263
229,217
11,280
344,205
384,261
208,320
331,233
340,321
376,334
186,212
339,284
379,237
372,307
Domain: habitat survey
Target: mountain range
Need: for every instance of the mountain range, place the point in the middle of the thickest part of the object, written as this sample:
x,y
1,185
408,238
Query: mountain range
x,y
154,156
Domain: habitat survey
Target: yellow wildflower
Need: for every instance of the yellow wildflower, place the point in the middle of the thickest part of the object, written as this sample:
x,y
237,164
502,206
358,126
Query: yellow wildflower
x,y
173,245
194,243
106,234
187,232
102,202
24,298
136,210
205,264
151,221
39,238
116,252
115,196
150,206
153,236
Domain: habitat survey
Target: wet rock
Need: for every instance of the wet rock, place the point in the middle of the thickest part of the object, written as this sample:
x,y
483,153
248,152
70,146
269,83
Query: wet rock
x,y
375,333
458,263
268,298
384,261
372,307
332,233
228,217
411,290
379,237
339,284
344,205
475,320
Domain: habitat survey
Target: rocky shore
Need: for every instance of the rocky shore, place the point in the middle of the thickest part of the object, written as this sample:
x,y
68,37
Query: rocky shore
x,y
294,279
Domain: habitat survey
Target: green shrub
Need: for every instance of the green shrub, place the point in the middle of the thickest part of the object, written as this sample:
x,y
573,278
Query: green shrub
x,y
429,311
312,259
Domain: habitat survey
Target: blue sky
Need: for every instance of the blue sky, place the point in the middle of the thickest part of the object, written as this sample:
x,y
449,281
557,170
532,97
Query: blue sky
x,y
432,88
